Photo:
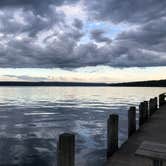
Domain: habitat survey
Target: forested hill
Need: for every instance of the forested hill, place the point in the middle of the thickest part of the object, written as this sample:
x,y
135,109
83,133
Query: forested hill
x,y
155,83
158,83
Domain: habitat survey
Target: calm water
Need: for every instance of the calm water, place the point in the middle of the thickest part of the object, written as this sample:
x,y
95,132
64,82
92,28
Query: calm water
x,y
31,118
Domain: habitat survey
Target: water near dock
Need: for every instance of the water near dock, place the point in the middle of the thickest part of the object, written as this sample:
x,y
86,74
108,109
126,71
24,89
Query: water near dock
x,y
31,119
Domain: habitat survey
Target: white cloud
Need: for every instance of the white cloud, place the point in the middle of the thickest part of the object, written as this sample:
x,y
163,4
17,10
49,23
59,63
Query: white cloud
x,y
73,11
86,74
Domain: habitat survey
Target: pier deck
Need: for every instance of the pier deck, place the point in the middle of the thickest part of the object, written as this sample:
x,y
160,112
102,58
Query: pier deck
x,y
154,130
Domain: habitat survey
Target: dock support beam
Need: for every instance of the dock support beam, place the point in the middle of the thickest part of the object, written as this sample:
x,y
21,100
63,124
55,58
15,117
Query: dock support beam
x,y
112,134
66,150
131,120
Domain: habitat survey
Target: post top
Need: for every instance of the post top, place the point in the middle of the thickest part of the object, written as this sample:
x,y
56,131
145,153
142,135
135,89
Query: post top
x,y
132,108
67,135
114,115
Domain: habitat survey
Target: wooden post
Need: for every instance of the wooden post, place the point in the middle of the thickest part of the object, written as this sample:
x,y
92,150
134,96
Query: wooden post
x,y
131,121
66,150
112,134
151,106
141,114
155,104
146,110
161,99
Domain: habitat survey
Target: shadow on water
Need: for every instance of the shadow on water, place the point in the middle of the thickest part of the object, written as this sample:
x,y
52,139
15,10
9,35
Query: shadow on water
x,y
31,152
28,136
39,152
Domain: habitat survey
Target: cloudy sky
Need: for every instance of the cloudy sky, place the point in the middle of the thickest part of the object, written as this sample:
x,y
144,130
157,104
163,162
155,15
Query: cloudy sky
x,y
82,40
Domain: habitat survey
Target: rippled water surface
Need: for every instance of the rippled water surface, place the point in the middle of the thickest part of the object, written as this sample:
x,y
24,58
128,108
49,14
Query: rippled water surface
x,y
31,118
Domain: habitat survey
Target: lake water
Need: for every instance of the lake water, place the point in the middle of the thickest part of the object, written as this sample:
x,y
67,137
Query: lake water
x,y
31,119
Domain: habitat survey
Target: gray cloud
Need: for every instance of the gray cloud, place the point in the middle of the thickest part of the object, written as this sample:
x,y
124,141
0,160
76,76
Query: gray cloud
x,y
16,21
98,36
133,11
33,3
27,78
78,24
34,35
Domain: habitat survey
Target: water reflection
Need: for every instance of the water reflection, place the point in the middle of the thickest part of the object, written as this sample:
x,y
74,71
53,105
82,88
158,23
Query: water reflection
x,y
31,119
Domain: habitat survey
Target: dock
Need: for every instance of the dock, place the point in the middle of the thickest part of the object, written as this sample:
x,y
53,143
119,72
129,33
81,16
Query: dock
x,y
153,130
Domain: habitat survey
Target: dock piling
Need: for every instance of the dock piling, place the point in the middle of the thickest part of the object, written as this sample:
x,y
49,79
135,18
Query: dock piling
x,y
151,107
162,99
66,150
155,104
141,114
131,120
112,134
146,110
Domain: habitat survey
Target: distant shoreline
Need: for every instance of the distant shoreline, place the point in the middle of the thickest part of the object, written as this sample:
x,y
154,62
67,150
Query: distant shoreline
x,y
153,83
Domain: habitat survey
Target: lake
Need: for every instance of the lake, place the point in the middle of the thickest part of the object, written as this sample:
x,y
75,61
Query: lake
x,y
31,119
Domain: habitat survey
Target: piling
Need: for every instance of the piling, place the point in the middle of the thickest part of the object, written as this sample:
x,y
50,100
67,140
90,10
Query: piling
x,y
141,114
66,150
112,134
155,104
162,99
131,120
151,106
146,110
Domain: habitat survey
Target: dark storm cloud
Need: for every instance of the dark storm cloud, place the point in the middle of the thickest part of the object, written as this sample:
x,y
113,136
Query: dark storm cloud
x,y
78,23
32,3
38,7
15,21
135,11
98,36
151,35
34,34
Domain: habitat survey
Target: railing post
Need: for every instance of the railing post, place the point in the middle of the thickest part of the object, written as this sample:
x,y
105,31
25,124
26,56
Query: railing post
x,y
66,150
131,120
112,134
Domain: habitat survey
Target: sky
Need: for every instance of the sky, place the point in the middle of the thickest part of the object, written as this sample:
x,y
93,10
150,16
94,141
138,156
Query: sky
x,y
82,40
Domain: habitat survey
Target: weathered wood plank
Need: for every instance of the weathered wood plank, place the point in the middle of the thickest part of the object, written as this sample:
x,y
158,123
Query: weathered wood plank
x,y
152,150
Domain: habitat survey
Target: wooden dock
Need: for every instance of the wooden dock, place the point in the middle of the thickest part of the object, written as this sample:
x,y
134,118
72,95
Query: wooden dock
x,y
150,135
153,130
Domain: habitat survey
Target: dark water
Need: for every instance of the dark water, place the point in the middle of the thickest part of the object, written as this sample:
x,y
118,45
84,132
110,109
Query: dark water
x,y
32,118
